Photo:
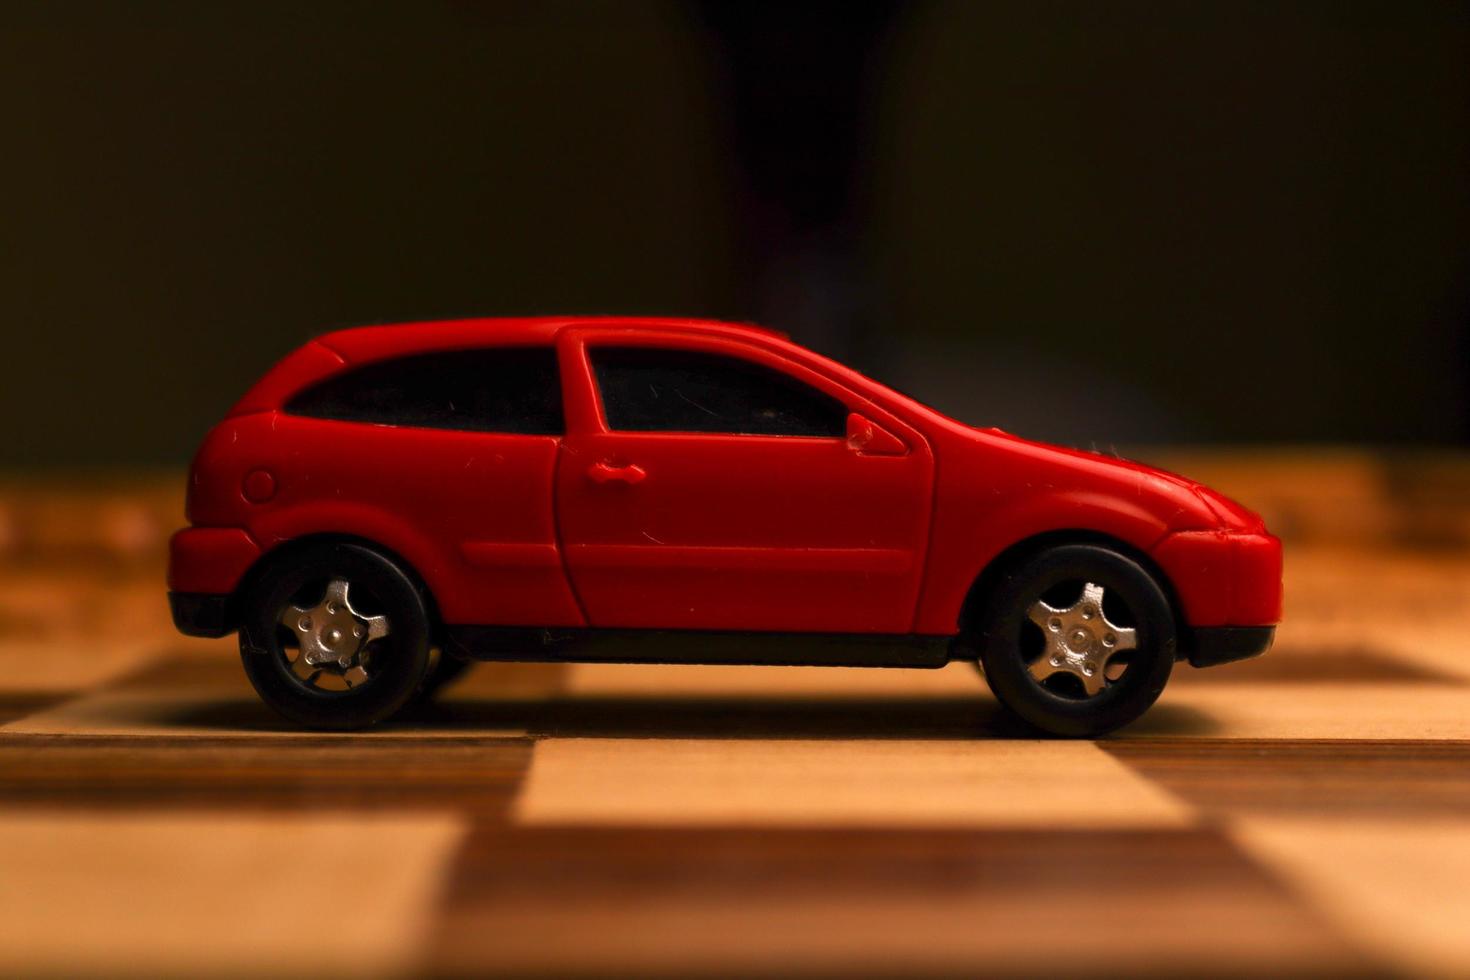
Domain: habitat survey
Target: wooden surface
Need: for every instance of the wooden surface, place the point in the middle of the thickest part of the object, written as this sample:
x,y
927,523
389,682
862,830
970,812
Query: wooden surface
x,y
1308,812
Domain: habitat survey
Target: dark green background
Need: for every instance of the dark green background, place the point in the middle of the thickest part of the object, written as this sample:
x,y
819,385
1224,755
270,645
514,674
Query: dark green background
x,y
1114,223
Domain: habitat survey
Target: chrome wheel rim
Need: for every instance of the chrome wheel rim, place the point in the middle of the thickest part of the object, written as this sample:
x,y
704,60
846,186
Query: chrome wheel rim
x,y
1081,642
328,643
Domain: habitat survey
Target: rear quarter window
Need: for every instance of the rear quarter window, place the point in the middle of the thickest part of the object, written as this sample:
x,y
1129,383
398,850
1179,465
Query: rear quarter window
x,y
509,389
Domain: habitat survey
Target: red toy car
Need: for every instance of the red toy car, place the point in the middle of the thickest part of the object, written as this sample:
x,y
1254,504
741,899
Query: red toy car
x,y
388,503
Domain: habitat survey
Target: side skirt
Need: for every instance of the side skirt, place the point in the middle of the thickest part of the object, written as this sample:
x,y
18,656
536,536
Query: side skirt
x,y
696,647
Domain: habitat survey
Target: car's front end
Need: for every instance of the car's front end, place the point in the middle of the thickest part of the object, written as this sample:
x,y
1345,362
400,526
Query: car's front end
x,y
1002,496
1227,583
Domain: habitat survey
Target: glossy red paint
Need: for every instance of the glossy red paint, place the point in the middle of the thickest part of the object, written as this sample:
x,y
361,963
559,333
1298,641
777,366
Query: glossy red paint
x,y
885,531
209,560
1224,577
737,532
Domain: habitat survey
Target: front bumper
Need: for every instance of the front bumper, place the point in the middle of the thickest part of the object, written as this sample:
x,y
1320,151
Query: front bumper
x,y
201,613
1224,578
1209,646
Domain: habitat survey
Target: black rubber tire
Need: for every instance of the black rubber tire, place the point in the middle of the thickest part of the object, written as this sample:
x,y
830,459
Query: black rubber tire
x,y
444,670
1002,658
402,656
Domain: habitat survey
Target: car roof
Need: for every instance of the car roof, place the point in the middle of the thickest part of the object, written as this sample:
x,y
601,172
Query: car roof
x,y
331,353
370,343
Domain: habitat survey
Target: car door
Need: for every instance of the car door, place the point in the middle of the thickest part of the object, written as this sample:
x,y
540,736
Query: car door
x,y
710,483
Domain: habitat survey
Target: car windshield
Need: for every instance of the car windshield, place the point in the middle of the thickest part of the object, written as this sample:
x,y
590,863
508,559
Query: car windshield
x,y
878,377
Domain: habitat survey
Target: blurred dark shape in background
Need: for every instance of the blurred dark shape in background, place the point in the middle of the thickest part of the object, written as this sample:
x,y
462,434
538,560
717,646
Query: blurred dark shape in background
x,y
798,87
1115,223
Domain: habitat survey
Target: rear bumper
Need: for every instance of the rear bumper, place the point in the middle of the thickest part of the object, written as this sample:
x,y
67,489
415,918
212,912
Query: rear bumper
x,y
1209,646
209,560
201,613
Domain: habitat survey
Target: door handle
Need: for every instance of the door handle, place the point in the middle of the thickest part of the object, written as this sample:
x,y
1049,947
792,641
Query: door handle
x,y
605,472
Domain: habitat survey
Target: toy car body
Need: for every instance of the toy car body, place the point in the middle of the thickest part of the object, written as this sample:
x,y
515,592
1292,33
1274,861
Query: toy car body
x,y
684,491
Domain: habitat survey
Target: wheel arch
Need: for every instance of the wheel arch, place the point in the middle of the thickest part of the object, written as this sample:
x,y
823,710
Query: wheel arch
x,y
981,590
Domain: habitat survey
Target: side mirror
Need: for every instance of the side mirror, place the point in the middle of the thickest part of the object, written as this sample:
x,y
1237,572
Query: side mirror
x,y
867,438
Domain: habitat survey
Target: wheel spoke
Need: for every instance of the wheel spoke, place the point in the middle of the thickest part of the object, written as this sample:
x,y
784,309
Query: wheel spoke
x,y
377,627
291,617
1043,667
336,593
1042,614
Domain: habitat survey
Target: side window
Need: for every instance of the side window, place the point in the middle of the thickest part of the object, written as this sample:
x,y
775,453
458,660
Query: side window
x,y
508,389
646,389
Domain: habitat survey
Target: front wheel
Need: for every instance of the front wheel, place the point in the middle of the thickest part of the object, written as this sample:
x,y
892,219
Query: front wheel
x,y
334,636
1078,640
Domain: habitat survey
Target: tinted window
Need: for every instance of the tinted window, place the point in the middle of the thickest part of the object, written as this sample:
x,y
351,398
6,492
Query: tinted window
x,y
645,389
511,389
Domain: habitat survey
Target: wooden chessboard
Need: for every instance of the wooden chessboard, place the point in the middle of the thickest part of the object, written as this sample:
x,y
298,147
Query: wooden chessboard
x,y
1308,812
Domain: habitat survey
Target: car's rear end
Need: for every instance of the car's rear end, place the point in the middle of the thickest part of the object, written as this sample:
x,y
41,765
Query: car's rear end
x,y
229,477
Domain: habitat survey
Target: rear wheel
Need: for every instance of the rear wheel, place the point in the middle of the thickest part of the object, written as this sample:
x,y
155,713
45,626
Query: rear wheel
x,y
334,636
1078,640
